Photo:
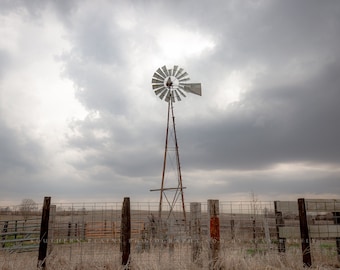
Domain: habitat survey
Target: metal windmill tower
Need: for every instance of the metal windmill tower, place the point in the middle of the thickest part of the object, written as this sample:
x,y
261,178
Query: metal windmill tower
x,y
170,85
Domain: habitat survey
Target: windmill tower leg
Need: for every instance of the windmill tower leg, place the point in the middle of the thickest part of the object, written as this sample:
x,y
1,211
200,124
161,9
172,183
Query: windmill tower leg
x,y
170,85
164,165
179,173
179,188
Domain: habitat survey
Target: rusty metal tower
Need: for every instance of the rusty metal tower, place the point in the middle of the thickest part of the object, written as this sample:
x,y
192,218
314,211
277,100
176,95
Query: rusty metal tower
x,y
170,85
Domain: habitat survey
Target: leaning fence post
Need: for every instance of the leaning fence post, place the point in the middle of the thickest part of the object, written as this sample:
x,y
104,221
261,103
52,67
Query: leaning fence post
x,y
214,228
195,224
305,242
126,231
53,209
279,223
44,233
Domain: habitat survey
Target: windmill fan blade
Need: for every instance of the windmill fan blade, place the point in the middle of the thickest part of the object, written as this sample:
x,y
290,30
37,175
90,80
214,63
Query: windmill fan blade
x,y
177,95
180,91
167,98
182,75
160,72
194,88
157,81
179,72
174,70
156,86
165,71
185,79
163,93
160,90
170,72
157,76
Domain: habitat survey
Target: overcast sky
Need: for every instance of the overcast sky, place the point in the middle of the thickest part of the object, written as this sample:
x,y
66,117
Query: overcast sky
x,y
79,120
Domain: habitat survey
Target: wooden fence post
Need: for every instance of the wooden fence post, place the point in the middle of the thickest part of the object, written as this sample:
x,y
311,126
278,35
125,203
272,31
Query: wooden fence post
x,y
126,231
254,233
232,229
214,228
53,210
170,237
15,228
84,231
281,245
69,227
195,227
305,241
267,232
44,233
336,216
4,230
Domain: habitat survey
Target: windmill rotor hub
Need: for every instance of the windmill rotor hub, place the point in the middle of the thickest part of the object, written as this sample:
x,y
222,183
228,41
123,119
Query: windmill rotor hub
x,y
171,84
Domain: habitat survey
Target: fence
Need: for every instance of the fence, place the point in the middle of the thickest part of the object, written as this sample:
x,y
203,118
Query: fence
x,y
18,235
323,223
91,233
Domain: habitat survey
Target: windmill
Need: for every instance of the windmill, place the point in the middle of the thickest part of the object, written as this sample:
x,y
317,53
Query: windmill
x,y
171,85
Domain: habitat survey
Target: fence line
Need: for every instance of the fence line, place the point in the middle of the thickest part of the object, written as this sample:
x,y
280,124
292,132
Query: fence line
x,y
92,231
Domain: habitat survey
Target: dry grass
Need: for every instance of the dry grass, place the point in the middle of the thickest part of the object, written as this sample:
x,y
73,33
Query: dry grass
x,y
161,259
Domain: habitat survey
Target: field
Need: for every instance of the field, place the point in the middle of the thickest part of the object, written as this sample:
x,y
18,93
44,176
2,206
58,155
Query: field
x,y
237,258
87,236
